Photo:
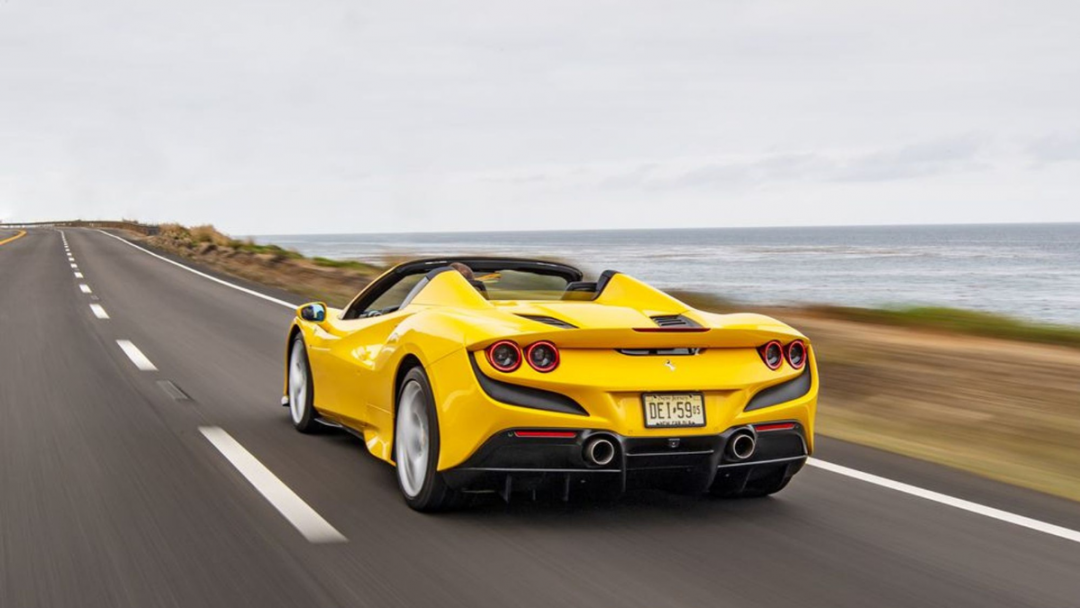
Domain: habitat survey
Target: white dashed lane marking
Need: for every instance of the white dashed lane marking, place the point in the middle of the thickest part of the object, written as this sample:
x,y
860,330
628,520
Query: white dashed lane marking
x,y
292,507
99,311
137,357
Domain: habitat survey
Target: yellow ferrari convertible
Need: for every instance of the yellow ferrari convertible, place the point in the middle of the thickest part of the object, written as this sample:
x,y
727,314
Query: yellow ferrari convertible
x,y
492,375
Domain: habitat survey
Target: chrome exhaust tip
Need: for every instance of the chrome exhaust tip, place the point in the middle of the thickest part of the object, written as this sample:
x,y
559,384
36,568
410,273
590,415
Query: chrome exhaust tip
x,y
599,452
742,444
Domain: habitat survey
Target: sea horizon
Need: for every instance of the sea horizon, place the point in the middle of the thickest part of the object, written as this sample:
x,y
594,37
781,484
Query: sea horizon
x,y
1029,271
260,237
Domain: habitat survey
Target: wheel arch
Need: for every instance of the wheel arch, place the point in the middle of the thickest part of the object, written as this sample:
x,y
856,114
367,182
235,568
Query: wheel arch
x,y
293,332
409,362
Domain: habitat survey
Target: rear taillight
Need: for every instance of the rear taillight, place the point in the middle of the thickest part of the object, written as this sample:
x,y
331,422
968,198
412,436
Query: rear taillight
x,y
504,356
780,426
542,356
545,434
772,354
796,354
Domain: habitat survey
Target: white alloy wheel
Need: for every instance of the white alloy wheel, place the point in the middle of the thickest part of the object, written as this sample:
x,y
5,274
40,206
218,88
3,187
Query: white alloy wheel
x,y
298,382
412,444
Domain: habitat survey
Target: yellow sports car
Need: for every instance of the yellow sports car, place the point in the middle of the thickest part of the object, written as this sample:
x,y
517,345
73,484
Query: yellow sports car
x,y
493,375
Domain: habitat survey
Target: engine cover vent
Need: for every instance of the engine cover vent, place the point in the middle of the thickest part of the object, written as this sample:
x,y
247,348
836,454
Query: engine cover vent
x,y
550,321
674,321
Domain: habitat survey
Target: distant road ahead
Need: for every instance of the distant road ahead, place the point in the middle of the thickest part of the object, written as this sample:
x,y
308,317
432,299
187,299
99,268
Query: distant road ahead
x,y
9,235
110,494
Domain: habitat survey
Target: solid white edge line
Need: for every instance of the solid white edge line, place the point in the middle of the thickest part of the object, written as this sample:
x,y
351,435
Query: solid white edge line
x,y
99,311
293,508
137,357
203,274
944,499
83,287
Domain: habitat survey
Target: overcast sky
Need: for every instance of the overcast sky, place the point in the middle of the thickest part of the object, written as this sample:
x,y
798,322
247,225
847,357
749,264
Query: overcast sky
x,y
266,116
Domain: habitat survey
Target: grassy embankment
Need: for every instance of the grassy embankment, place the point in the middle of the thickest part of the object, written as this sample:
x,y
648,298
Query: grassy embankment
x,y
988,394
332,281
979,392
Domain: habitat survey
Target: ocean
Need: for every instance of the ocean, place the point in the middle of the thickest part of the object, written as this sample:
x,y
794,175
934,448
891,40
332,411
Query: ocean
x,y
1030,271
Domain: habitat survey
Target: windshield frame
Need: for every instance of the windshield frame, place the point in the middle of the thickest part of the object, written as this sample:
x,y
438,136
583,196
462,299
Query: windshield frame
x,y
479,265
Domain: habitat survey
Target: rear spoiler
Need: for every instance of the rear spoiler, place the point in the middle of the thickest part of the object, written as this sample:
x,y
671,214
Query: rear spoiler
x,y
652,337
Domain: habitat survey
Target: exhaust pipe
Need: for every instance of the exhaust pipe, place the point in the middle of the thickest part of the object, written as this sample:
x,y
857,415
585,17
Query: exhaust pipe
x,y
742,444
599,452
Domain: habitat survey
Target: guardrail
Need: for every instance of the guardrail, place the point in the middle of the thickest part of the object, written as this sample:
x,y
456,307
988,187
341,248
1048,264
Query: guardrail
x,y
146,229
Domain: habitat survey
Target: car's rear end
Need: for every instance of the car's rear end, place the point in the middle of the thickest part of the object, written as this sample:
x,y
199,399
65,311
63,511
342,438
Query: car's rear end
x,y
589,394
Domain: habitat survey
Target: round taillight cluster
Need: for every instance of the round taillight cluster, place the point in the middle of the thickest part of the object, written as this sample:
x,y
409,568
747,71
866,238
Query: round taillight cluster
x,y
773,353
542,356
506,356
796,354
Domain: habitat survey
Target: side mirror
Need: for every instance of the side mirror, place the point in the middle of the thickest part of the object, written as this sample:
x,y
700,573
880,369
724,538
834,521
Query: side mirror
x,y
315,312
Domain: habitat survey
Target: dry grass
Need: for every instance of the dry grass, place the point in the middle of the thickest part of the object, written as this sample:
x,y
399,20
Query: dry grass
x,y
1004,409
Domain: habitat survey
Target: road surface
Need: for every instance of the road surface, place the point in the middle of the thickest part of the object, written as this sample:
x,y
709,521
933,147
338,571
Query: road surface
x,y
117,368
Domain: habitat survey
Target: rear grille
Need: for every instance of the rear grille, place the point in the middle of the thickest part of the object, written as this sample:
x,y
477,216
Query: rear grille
x,y
674,321
661,352
550,321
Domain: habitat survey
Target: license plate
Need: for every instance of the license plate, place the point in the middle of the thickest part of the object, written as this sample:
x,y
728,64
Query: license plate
x,y
666,410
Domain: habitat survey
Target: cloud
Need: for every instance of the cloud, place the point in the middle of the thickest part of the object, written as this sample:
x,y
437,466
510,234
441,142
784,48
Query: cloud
x,y
375,116
742,173
924,159
1055,148
906,162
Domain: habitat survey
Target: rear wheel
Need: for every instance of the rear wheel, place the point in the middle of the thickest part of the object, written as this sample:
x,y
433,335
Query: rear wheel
x,y
301,393
416,447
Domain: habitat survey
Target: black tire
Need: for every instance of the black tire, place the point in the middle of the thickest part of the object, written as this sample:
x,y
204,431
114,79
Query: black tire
x,y
306,421
434,494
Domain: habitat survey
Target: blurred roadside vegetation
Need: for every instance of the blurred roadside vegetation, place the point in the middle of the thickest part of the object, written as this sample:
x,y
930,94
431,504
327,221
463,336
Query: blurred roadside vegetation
x,y
332,281
937,318
989,394
956,320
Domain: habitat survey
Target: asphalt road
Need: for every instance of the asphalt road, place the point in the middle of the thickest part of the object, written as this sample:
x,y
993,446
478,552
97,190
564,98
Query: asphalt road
x,y
111,496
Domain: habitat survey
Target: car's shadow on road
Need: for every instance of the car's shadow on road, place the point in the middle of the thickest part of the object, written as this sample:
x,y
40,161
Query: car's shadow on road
x,y
642,506
546,510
